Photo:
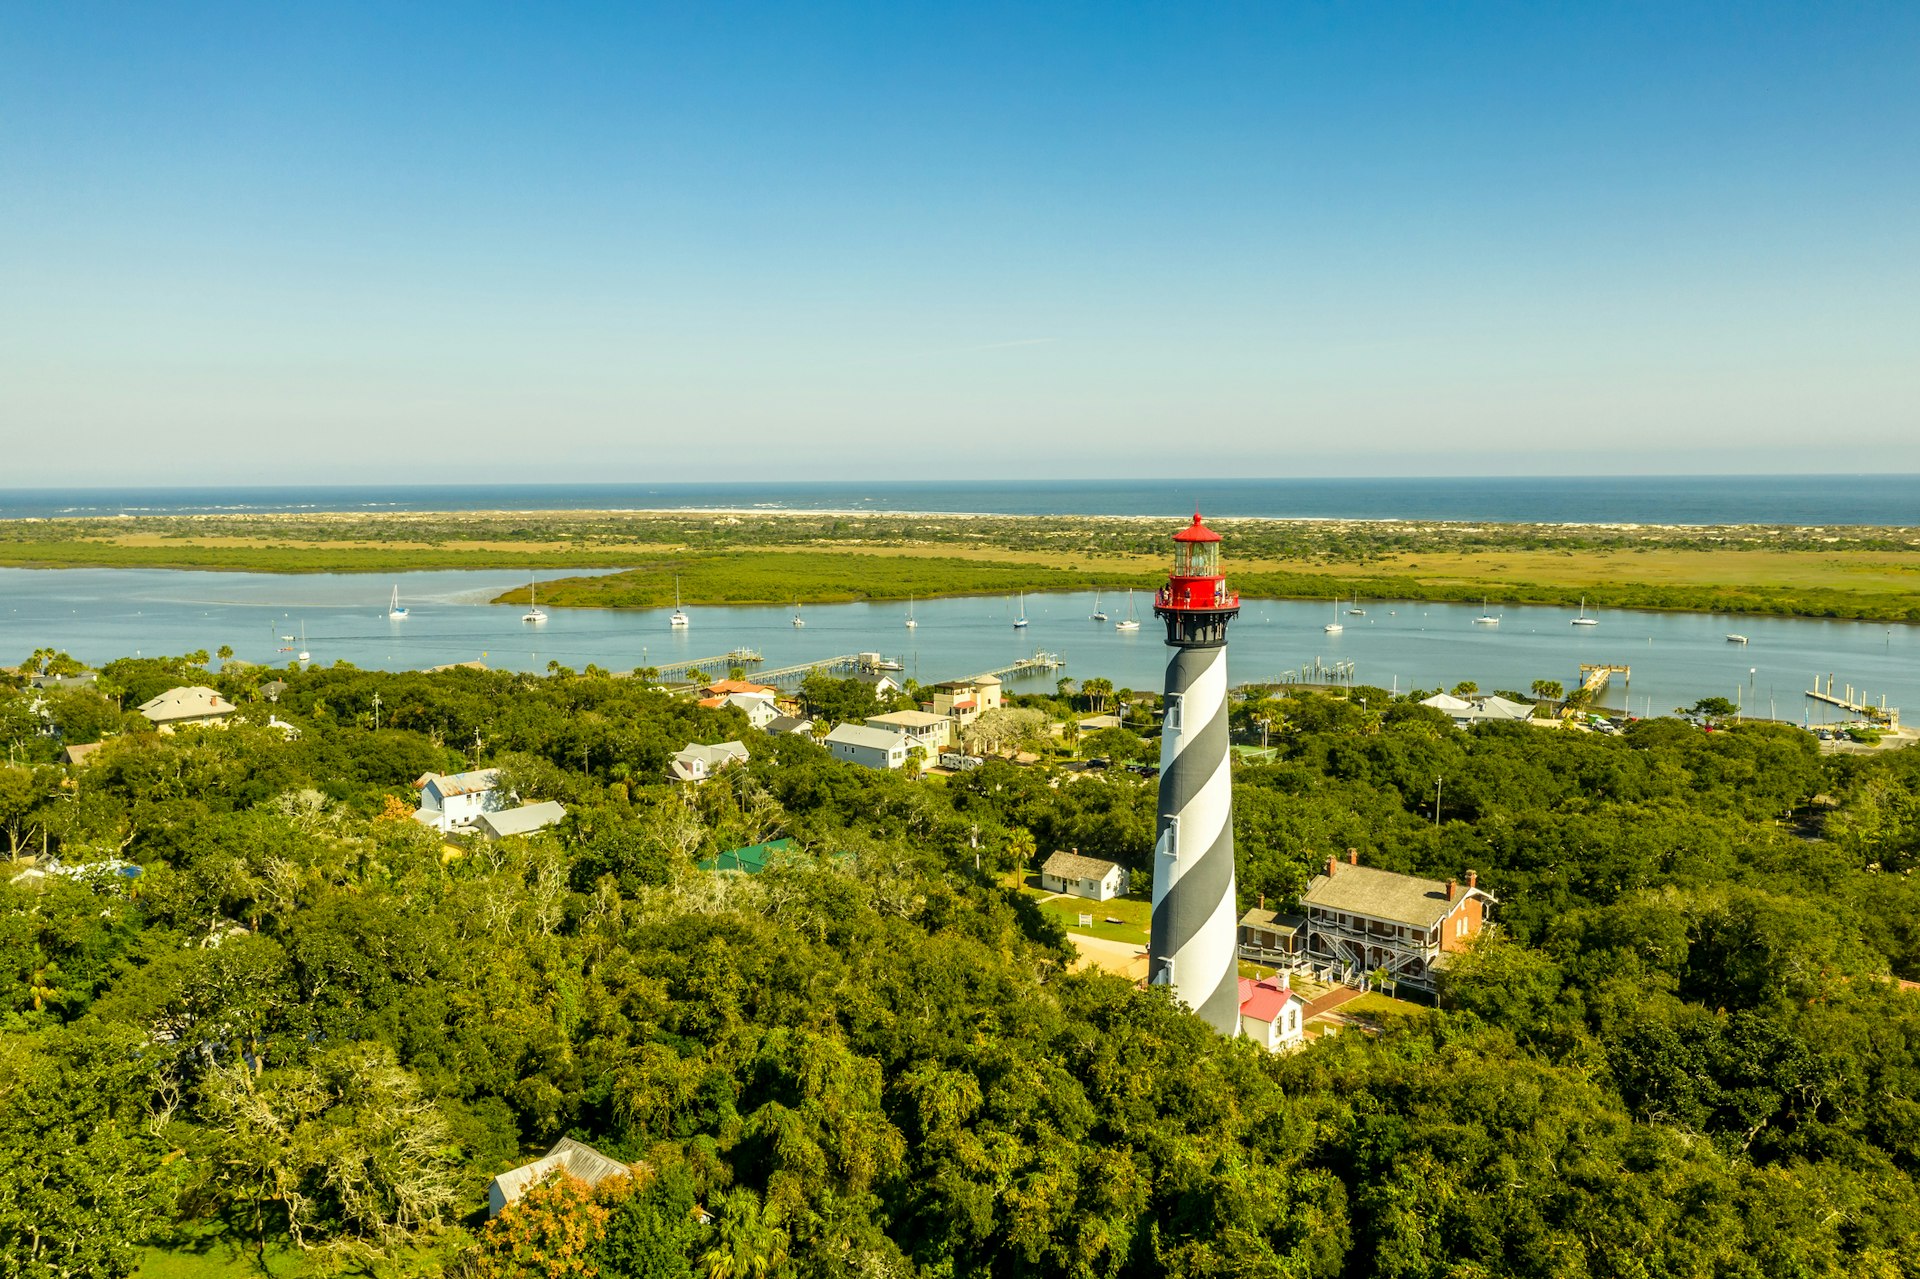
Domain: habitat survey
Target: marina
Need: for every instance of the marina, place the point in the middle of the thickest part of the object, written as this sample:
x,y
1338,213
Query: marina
x,y
1675,658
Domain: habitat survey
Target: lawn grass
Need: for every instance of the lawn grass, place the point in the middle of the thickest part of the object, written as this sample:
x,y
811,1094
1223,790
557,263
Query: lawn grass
x,y
1135,914
1381,1011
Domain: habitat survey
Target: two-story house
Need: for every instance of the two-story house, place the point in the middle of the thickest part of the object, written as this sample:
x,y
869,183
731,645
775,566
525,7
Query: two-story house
x,y
454,801
1363,920
931,733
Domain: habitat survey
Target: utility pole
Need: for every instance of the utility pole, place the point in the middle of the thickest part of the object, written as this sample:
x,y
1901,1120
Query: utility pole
x,y
1436,800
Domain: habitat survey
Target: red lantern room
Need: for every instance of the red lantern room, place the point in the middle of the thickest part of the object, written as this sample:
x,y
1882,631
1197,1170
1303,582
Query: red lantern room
x,y
1195,603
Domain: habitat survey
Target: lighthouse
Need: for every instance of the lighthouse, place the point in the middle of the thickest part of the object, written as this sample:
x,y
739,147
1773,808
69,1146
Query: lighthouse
x,y
1193,894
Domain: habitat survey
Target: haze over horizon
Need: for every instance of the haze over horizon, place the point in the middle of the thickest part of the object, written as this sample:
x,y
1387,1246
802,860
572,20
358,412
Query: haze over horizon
x,y
490,243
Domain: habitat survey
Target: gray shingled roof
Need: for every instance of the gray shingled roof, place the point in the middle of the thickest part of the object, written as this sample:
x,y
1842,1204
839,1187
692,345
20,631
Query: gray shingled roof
x,y
1272,921
1384,894
1074,866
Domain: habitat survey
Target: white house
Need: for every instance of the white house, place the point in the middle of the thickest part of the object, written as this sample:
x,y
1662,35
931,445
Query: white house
x,y
181,707
1083,877
524,820
760,711
453,801
1271,1015
931,733
868,747
568,1157
697,763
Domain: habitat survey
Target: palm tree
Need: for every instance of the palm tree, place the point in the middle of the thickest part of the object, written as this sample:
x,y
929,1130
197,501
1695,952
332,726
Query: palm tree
x,y
1022,845
750,1243
1096,691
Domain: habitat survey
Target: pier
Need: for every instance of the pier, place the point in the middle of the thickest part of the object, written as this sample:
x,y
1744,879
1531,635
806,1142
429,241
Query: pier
x,y
738,657
1594,677
1039,664
800,670
1854,701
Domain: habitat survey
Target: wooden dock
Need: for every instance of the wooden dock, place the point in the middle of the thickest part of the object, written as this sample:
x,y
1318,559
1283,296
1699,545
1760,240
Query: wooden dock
x,y
1854,702
711,665
800,670
1594,677
1038,664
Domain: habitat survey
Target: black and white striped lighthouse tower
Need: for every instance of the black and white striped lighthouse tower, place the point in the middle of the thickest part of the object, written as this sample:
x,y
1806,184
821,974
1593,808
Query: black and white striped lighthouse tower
x,y
1194,912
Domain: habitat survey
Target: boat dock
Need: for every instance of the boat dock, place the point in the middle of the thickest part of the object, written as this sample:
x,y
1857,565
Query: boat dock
x,y
1594,677
800,670
1039,664
738,657
1854,702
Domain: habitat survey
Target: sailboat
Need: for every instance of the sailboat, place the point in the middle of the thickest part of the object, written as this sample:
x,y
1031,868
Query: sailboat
x,y
1099,614
911,623
1356,610
533,613
1486,617
395,609
1129,622
797,619
679,618
1020,622
1335,626
1583,619
303,655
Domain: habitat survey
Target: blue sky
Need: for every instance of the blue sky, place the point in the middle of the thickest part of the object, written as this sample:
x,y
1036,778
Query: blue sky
x,y
472,242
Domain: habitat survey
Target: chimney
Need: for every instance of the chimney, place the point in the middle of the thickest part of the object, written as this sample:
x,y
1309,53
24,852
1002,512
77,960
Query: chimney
x,y
1333,864
1263,901
1473,879
1353,857
1453,889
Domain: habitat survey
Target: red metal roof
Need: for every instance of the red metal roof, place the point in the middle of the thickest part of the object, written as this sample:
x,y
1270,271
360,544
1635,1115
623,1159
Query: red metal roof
x,y
1263,1000
1196,532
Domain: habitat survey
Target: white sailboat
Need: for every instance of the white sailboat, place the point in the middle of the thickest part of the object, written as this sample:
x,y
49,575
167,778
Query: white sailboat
x,y
911,622
679,619
303,655
1583,619
533,613
1356,610
1335,626
1020,622
1486,617
1129,622
1099,614
797,619
395,609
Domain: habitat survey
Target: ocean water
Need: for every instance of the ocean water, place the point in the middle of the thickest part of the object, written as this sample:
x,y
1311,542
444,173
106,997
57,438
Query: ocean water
x,y
1673,499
